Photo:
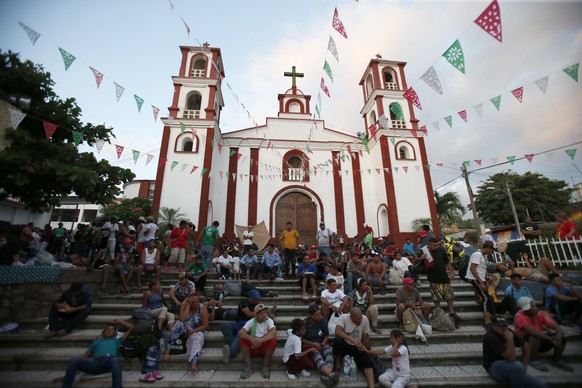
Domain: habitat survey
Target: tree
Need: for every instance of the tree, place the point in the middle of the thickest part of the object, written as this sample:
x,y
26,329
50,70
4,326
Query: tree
x,y
128,209
419,222
449,208
41,172
542,197
169,216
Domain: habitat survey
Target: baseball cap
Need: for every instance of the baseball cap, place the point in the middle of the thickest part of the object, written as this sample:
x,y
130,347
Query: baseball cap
x,y
524,303
120,222
407,281
260,307
313,308
255,294
322,223
498,320
487,230
127,240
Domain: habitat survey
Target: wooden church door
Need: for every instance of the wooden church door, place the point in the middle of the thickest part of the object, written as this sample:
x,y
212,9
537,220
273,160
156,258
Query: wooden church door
x,y
300,210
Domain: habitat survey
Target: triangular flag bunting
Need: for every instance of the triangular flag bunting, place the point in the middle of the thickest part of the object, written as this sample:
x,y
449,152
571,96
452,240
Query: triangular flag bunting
x,y
68,58
77,137
518,93
220,174
232,153
427,166
99,144
149,158
184,167
411,96
135,154
324,88
49,128
163,161
182,128
496,101
98,76
529,157
155,111
118,91
463,115
572,71
571,153
467,163
16,117
440,164
119,150
413,132
542,83
387,170
32,34
317,111
490,21
238,157
449,120
424,130
417,168
378,170
454,55
174,164
494,160
338,25
327,69
332,48
138,101
193,169
478,161
432,79
397,110
396,169
219,148
405,168
511,159
186,25
383,120
393,141
479,109
437,125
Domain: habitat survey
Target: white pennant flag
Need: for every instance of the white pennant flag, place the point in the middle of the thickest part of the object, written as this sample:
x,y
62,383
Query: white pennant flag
x,y
432,79
184,166
118,91
417,168
383,120
149,158
542,83
32,34
437,125
16,117
99,144
332,48
479,109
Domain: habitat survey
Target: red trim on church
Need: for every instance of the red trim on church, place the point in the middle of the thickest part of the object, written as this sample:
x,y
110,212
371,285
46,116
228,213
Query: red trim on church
x,y
183,68
397,152
195,140
211,100
253,188
428,187
229,228
358,191
292,100
160,171
291,189
205,180
285,164
389,187
338,193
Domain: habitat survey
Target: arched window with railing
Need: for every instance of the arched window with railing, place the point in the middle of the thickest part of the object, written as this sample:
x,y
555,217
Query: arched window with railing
x,y
193,105
295,166
198,69
187,142
404,151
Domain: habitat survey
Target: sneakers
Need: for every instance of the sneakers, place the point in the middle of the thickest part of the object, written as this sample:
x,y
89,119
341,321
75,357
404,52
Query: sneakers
x,y
305,373
266,372
246,373
147,378
225,354
327,381
158,375
291,376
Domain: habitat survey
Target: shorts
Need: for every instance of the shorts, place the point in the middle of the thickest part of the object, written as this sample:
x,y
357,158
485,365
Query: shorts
x,y
538,273
125,267
177,255
260,351
545,345
441,291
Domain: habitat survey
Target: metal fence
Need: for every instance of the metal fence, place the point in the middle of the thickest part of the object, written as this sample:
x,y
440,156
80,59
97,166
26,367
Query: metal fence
x,y
561,252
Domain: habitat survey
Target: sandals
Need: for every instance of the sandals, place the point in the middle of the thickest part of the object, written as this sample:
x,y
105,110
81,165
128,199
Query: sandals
x,y
376,330
305,298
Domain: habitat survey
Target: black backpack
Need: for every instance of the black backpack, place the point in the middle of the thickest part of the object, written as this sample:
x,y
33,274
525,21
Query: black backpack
x,y
145,333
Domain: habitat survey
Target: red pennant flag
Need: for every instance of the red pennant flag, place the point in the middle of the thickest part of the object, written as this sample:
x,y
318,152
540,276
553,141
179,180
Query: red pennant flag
x,y
187,28
424,130
463,115
373,130
269,144
238,157
194,168
414,133
361,152
478,161
338,25
49,128
405,168
98,76
163,161
324,88
219,146
490,20
411,96
518,93
439,164
529,157
155,110
350,150
119,150
378,170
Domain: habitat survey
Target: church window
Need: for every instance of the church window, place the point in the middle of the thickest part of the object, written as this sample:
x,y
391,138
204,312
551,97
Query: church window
x,y
405,151
390,80
198,67
295,167
370,85
186,142
396,121
193,103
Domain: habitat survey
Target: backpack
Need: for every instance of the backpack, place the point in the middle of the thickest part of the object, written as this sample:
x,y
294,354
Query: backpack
x,y
440,321
409,321
462,266
379,367
233,287
145,333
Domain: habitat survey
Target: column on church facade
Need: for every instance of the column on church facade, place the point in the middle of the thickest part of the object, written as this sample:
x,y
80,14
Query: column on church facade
x,y
358,190
231,194
253,187
338,192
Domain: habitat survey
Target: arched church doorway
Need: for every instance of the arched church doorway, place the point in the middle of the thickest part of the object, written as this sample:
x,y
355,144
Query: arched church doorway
x,y
301,211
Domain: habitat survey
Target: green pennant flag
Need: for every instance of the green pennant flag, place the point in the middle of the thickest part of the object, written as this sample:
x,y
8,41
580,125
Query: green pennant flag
x,y
396,169
327,172
572,71
174,164
369,171
317,110
347,172
251,159
496,101
467,163
138,101
511,159
77,137
203,171
327,69
68,58
393,141
182,128
135,155
427,166
232,152
212,143
571,153
397,110
365,141
449,120
455,56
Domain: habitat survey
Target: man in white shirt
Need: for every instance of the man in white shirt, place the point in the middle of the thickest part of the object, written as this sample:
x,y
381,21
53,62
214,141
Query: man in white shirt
x,y
112,227
248,236
324,238
476,276
224,265
152,229
352,336
258,339
333,300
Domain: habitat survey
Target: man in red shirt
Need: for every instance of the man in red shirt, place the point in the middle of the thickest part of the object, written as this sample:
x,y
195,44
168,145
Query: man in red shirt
x,y
566,229
178,241
541,332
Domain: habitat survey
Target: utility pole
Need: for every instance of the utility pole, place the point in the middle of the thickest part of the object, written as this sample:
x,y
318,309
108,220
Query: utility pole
x,y
473,208
517,226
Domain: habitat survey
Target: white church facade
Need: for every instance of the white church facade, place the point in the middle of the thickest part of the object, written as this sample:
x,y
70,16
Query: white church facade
x,y
293,168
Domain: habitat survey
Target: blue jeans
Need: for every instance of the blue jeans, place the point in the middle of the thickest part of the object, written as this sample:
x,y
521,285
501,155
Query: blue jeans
x,y
66,321
206,252
325,249
94,366
351,279
514,374
231,337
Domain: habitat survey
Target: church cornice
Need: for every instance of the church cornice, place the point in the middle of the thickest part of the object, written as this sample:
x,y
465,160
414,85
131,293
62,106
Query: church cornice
x,y
391,94
192,81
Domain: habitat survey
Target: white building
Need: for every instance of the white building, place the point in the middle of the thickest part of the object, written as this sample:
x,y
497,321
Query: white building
x,y
293,167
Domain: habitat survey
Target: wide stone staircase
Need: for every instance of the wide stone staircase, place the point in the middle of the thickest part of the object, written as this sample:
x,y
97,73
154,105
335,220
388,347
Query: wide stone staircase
x,y
449,358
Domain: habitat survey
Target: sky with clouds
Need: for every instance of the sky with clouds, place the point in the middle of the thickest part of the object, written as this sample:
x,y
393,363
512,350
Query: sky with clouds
x,y
136,44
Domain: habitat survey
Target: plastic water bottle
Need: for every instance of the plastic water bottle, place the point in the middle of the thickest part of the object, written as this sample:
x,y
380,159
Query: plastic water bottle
x,y
353,369
347,365
221,296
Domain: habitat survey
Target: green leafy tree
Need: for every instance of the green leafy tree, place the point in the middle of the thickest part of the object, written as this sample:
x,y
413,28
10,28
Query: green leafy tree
x,y
169,216
417,223
41,172
128,209
543,197
449,208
